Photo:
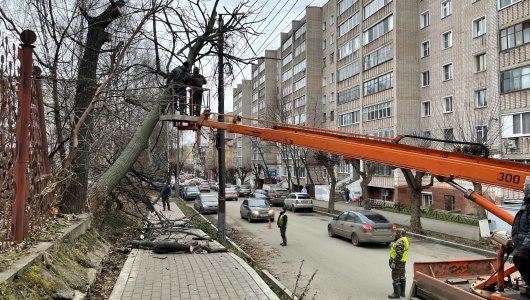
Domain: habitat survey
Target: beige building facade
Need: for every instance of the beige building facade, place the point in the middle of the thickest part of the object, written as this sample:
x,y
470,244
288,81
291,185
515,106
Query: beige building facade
x,y
444,69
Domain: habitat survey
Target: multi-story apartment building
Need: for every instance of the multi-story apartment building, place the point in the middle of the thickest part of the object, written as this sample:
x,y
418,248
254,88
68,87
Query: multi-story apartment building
x,y
446,69
241,143
264,105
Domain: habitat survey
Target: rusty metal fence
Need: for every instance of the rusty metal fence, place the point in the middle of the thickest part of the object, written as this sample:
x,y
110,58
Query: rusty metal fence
x,y
25,176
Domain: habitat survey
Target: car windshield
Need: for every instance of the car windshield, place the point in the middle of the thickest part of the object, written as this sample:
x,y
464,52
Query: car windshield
x,y
209,199
230,190
257,203
303,196
376,218
245,187
192,189
257,195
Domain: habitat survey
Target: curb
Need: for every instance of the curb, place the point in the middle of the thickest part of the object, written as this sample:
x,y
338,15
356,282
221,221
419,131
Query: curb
x,y
281,290
486,253
70,234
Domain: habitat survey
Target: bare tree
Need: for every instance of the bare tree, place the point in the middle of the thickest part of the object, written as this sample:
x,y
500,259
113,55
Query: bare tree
x,y
415,183
329,161
366,175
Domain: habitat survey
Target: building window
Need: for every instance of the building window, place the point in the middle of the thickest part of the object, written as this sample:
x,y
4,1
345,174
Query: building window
x,y
378,30
447,72
324,44
505,3
447,40
324,26
449,202
345,4
446,8
287,59
348,95
425,78
332,116
378,111
516,124
324,99
299,49
331,58
349,47
324,62
515,79
481,99
449,134
299,32
447,104
425,48
378,57
424,19
372,7
288,42
332,78
299,84
349,24
348,71
482,133
353,117
426,108
480,62
324,81
299,67
515,36
324,117
332,39
331,19
426,199
378,84
479,27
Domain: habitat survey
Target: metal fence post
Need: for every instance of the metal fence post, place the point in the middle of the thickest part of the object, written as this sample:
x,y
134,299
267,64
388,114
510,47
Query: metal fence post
x,y
27,37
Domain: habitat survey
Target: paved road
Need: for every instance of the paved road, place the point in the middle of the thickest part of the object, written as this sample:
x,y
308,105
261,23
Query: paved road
x,y
344,271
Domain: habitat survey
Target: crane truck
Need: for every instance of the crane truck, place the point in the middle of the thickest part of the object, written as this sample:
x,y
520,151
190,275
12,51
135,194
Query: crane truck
x,y
456,279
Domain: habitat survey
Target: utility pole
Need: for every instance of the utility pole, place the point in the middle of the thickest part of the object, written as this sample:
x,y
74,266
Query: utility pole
x,y
177,166
220,139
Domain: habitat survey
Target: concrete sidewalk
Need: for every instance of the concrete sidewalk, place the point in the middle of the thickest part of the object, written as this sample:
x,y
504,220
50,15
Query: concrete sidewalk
x,y
147,275
456,229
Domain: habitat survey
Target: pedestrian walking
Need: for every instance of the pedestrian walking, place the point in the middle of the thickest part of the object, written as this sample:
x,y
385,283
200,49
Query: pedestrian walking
x,y
397,261
282,224
347,194
304,190
165,193
521,238
180,77
197,81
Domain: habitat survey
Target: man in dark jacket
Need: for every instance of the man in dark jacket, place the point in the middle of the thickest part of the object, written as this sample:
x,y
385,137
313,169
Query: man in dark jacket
x,y
282,224
180,77
521,236
165,193
197,81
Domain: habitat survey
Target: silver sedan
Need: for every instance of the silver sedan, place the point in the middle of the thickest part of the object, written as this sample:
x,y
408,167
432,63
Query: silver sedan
x,y
362,226
256,209
206,203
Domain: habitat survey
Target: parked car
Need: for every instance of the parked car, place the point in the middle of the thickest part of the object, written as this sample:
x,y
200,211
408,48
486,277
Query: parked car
x,y
231,193
261,191
215,186
244,190
204,186
206,203
297,201
190,193
362,226
256,209
259,196
158,184
277,196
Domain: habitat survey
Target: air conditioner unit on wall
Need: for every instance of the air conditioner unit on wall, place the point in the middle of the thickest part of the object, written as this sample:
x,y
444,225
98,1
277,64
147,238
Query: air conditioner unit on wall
x,y
510,144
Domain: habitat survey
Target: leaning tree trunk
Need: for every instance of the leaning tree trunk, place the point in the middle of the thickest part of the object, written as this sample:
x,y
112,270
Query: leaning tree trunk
x,y
74,195
112,176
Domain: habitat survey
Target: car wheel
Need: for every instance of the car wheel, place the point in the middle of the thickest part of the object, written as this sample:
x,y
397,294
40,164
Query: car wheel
x,y
201,211
293,208
355,239
249,218
330,231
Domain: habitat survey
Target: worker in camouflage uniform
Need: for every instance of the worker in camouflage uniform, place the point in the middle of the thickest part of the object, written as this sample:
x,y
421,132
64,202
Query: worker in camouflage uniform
x,y
282,224
398,259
